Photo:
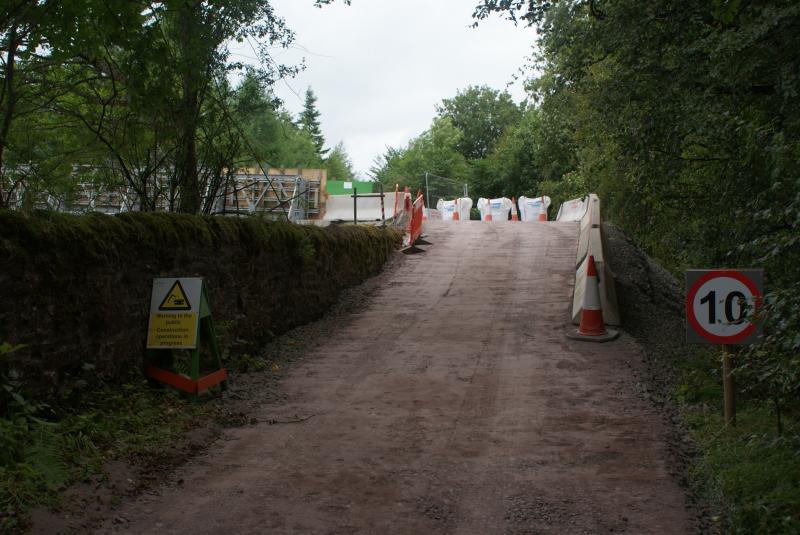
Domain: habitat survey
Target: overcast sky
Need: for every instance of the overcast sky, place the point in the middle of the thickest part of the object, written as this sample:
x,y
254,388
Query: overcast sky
x,y
378,67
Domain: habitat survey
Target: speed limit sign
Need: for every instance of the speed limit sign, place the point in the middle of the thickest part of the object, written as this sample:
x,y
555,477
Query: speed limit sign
x,y
720,305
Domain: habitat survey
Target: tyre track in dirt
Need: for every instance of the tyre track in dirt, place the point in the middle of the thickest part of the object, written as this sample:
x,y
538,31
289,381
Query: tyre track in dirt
x,y
453,403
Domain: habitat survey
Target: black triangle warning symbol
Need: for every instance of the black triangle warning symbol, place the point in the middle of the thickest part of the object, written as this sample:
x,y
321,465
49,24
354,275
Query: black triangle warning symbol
x,y
175,299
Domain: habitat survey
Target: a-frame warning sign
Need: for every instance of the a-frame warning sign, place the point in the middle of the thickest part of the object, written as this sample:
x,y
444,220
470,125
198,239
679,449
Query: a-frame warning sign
x,y
182,320
175,299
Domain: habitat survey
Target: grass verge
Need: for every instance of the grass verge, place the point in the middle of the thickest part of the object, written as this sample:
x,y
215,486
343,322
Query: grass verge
x,y
750,471
43,455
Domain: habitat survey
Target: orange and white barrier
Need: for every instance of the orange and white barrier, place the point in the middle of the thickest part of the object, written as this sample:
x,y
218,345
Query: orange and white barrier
x,y
414,230
494,209
592,328
591,243
532,208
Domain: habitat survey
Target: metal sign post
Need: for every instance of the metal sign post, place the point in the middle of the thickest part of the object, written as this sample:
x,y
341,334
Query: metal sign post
x,y
383,208
728,386
355,206
720,307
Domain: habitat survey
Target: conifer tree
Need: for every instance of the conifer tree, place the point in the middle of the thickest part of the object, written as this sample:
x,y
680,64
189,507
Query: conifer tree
x,y
309,122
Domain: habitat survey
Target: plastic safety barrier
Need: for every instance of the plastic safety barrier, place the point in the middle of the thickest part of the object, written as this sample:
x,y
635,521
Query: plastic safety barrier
x,y
415,223
591,241
531,207
448,208
498,208
589,221
340,207
572,210
402,217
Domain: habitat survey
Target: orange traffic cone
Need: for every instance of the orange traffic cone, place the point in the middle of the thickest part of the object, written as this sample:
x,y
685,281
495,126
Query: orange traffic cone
x,y
543,211
456,215
488,216
592,328
514,216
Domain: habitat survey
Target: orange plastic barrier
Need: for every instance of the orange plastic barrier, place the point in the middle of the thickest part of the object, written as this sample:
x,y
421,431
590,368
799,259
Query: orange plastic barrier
x,y
415,225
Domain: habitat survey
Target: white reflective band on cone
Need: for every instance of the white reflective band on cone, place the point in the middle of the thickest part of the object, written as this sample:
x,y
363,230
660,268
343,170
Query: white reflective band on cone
x,y
591,297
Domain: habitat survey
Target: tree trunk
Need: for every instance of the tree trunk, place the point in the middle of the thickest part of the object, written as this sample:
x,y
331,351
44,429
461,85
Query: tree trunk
x,y
186,164
11,101
188,111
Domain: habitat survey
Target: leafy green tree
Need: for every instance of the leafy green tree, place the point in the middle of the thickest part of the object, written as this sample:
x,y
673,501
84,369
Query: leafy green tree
x,y
42,44
482,115
435,153
271,138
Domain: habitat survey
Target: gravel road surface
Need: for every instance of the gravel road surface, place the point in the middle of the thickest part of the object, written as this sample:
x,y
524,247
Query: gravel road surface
x,y
452,403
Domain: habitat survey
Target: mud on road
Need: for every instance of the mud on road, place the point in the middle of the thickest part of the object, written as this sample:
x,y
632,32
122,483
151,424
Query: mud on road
x,y
449,402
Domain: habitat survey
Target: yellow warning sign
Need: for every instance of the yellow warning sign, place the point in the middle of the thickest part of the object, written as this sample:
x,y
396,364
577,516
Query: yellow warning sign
x,y
172,330
175,299
174,313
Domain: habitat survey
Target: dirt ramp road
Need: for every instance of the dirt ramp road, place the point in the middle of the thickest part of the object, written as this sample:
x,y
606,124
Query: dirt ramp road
x,y
453,404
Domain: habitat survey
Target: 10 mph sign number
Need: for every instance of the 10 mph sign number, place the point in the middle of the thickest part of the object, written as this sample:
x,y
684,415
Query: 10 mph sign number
x,y
720,304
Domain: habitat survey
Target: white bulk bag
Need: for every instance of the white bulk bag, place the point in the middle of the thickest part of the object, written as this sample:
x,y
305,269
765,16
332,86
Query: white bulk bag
x,y
530,207
499,208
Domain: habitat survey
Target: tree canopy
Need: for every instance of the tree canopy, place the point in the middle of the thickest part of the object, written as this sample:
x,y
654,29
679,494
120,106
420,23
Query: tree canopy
x,y
138,94
482,115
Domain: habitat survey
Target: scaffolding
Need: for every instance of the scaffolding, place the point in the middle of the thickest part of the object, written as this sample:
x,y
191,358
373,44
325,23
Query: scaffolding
x,y
275,196
291,196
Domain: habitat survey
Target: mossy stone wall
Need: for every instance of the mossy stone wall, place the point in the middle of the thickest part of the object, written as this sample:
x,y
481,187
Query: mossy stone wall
x,y
76,289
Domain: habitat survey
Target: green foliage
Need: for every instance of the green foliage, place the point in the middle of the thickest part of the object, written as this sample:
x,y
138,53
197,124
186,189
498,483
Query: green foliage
x,y
434,152
136,94
338,164
309,122
684,116
483,139
270,136
749,471
133,423
756,475
30,463
482,115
